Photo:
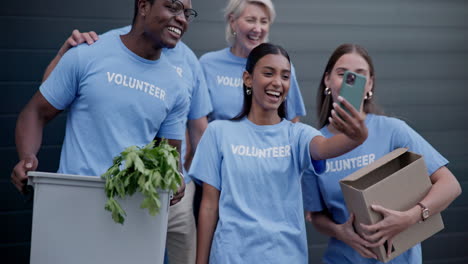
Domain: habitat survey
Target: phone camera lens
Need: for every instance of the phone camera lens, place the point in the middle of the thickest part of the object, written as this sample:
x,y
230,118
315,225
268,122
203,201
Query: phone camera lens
x,y
350,78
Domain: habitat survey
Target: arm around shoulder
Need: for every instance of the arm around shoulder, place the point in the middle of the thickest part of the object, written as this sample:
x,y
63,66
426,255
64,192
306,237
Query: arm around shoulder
x,y
75,39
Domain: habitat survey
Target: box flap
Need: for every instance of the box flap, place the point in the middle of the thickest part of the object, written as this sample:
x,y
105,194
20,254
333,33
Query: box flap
x,y
374,165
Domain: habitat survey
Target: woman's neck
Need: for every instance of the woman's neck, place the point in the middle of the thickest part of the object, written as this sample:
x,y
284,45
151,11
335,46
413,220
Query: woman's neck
x,y
238,51
263,118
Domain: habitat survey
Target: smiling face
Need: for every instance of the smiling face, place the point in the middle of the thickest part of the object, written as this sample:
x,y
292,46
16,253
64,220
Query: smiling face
x,y
348,62
160,24
251,28
269,82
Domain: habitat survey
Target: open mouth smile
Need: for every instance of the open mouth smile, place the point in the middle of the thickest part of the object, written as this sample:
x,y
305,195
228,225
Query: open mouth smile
x,y
175,30
274,96
254,37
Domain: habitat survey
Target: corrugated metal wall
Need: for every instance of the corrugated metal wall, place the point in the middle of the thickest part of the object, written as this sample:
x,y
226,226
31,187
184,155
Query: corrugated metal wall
x,y
420,49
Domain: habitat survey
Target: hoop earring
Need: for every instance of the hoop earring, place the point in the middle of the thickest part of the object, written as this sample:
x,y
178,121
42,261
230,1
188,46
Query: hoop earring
x,y
248,91
327,91
368,95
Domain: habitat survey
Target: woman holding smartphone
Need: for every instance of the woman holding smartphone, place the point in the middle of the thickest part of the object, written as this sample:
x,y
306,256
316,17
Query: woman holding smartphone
x,y
323,200
247,26
251,209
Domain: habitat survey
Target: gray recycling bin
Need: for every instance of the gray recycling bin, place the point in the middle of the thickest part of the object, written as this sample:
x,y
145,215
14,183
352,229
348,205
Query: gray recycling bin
x,y
70,224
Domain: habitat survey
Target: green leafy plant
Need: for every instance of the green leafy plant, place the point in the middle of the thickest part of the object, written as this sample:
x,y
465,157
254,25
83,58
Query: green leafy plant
x,y
143,170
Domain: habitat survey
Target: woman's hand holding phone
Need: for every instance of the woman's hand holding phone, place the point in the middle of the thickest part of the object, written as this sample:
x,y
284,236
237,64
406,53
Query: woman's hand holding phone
x,y
348,120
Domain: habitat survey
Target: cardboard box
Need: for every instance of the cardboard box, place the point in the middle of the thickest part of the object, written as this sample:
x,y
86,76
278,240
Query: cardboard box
x,y
70,224
397,181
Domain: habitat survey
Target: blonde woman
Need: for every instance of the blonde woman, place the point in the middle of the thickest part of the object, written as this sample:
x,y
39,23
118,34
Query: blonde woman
x,y
247,25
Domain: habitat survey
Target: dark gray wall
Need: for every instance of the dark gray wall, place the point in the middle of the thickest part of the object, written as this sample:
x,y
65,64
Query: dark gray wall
x,y
419,49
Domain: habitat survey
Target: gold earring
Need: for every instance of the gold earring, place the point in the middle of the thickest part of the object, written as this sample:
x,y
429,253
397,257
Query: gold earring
x,y
327,91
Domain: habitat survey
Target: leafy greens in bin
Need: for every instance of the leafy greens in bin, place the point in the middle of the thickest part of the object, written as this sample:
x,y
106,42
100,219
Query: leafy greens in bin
x,y
143,170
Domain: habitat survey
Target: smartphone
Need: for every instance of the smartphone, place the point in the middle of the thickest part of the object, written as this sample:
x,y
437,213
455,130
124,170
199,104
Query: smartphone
x,y
352,89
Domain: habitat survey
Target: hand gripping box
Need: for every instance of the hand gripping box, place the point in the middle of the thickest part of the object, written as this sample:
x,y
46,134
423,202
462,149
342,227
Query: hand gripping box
x,y
70,224
397,181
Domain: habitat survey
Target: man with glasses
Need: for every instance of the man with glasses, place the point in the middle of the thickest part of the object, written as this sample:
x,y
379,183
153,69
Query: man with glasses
x,y
119,92
181,239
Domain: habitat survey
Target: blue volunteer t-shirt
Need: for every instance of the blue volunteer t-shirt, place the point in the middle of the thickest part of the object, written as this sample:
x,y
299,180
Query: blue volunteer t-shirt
x,y
188,67
223,74
323,192
258,172
115,99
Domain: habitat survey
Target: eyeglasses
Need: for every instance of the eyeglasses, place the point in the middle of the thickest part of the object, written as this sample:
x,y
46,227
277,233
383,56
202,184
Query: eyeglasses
x,y
177,7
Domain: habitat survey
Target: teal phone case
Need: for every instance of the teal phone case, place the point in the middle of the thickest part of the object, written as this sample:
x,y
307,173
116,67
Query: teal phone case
x,y
353,92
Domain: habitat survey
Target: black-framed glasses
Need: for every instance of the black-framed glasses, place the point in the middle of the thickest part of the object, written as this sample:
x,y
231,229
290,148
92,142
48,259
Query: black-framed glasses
x,y
177,7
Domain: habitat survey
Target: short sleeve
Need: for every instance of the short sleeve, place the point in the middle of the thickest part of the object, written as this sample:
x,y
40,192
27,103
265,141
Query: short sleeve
x,y
200,104
62,85
312,197
173,126
295,103
406,137
206,164
305,135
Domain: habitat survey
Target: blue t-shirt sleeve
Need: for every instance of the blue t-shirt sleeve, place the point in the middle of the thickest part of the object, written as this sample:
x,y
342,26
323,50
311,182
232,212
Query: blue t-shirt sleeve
x,y
204,64
62,85
173,127
206,164
200,104
305,135
295,103
310,189
406,137
311,195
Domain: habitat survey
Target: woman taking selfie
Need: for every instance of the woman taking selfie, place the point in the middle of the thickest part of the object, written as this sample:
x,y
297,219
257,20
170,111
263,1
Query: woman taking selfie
x,y
322,194
251,167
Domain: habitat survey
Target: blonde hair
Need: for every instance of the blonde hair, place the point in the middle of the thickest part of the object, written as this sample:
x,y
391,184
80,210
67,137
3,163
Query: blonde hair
x,y
236,7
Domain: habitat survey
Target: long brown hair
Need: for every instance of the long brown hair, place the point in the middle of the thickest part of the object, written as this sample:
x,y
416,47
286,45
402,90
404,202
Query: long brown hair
x,y
325,102
254,56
